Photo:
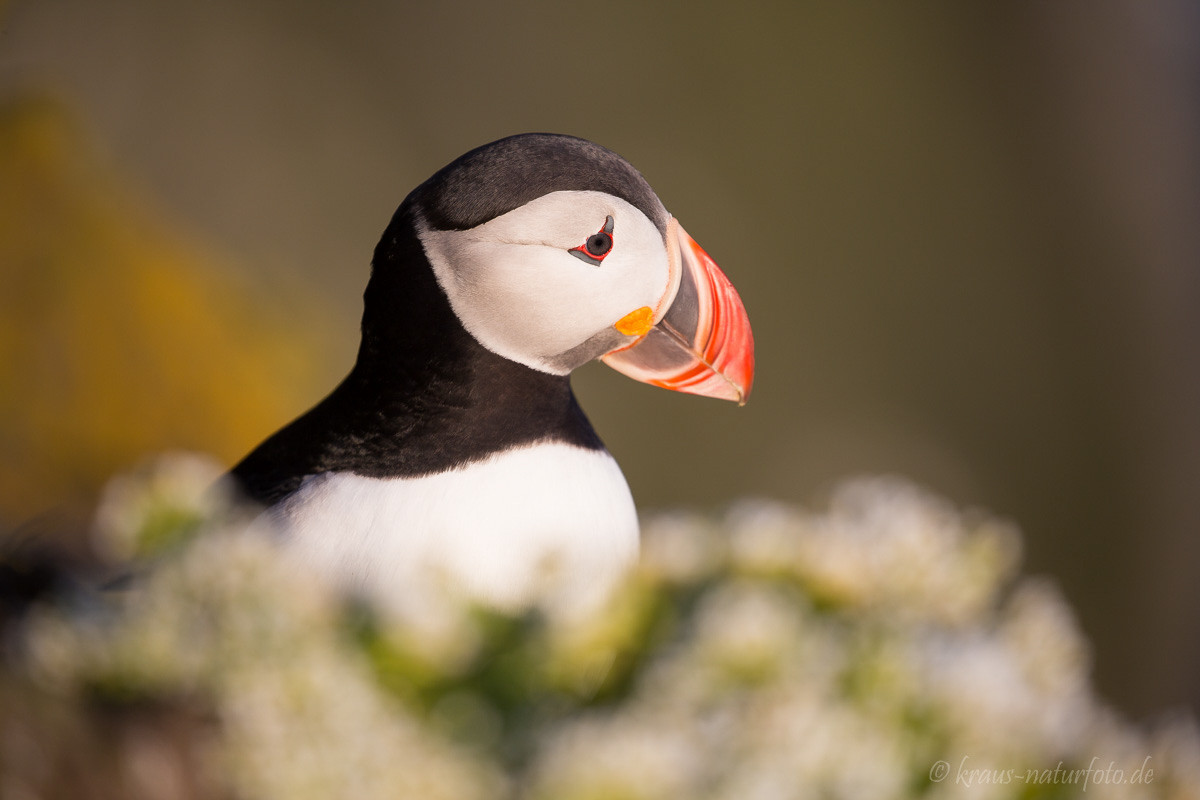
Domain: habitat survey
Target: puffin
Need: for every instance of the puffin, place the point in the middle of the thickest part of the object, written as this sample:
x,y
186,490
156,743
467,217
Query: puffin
x,y
454,457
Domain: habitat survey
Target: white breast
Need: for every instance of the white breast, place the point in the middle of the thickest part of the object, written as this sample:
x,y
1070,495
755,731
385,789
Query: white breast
x,y
548,523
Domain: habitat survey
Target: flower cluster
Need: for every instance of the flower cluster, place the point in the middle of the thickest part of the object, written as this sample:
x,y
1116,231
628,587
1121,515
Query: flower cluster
x,y
883,648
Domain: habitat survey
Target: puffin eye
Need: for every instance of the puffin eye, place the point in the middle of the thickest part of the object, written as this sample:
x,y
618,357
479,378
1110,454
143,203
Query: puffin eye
x,y
597,246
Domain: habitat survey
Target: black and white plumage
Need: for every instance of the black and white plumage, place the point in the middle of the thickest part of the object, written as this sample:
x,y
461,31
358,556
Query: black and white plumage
x,y
454,455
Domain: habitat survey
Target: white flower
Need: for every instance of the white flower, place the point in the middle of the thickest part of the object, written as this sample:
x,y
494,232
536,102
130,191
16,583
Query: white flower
x,y
778,654
169,494
765,538
679,548
748,630
630,756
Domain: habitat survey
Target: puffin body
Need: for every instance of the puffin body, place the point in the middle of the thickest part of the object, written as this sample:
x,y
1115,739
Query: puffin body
x,y
454,456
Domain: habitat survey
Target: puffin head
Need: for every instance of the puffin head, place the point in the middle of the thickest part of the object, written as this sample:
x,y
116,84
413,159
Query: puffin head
x,y
553,251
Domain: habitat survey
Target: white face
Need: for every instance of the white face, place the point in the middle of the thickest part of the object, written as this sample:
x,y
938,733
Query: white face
x,y
523,295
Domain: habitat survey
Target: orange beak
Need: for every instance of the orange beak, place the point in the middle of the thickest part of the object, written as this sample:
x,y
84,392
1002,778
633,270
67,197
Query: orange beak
x,y
700,340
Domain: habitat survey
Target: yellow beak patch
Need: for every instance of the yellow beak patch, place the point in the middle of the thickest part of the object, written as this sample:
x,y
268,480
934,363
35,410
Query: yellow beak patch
x,y
636,323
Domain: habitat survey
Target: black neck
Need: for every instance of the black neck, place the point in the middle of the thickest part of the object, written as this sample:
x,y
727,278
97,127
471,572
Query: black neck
x,y
423,397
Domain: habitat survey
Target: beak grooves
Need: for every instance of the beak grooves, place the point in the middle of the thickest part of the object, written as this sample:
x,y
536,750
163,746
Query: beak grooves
x,y
702,343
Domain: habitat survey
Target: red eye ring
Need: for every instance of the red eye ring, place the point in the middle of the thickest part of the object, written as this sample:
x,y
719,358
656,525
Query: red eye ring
x,y
598,245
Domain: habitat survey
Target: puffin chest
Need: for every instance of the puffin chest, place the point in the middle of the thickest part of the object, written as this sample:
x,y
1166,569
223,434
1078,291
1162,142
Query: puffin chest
x,y
549,522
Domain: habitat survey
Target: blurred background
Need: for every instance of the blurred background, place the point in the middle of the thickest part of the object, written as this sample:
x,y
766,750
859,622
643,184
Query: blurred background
x,y
966,234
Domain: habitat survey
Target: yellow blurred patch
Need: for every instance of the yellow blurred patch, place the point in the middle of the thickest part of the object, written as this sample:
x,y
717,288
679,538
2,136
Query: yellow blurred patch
x,y
118,336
